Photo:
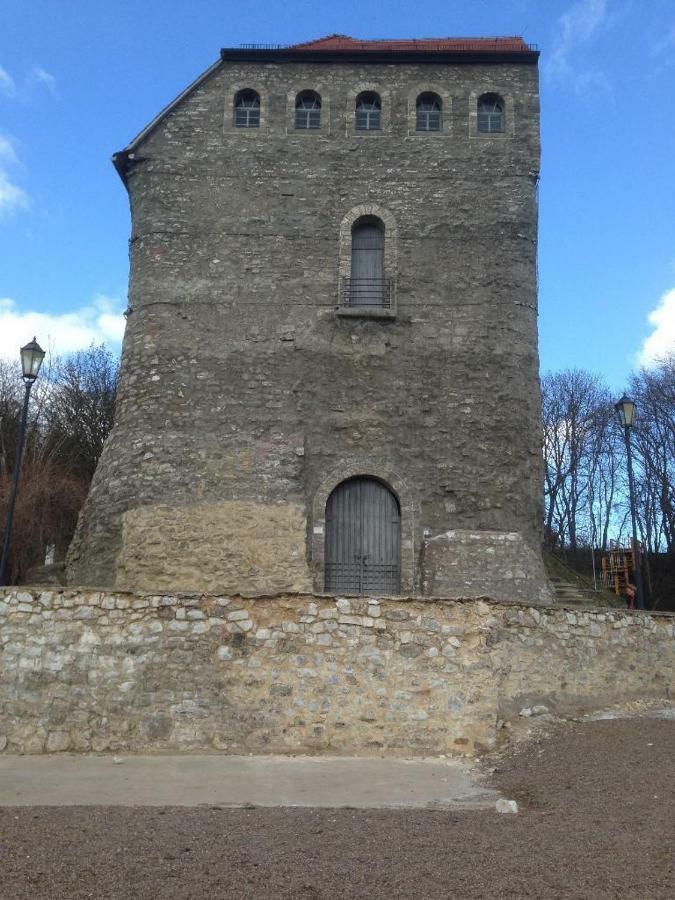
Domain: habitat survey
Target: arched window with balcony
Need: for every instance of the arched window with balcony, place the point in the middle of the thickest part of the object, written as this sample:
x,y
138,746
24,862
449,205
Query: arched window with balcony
x,y
368,112
308,110
429,112
490,114
247,109
367,262
367,283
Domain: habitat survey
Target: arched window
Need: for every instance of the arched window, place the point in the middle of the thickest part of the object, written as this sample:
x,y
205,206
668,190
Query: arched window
x,y
368,112
490,114
429,112
363,538
247,109
367,284
308,110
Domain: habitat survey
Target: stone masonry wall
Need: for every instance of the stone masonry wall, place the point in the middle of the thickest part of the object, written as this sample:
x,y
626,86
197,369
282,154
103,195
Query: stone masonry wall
x,y
261,548
305,673
241,384
464,564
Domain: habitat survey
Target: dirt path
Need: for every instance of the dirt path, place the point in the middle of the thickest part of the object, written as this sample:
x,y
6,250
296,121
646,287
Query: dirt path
x,y
597,821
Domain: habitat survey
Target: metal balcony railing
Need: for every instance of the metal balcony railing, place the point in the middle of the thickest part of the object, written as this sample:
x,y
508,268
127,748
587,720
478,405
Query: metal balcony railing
x,y
375,293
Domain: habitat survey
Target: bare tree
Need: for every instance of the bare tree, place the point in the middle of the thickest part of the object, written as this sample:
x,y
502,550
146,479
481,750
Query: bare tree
x,y
82,408
604,476
71,414
10,413
586,487
653,437
579,482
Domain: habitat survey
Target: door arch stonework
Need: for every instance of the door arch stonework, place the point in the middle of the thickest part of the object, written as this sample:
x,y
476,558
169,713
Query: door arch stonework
x,y
363,539
409,520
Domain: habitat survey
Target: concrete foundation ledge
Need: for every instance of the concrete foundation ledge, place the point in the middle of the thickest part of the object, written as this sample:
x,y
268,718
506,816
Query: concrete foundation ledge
x,y
87,670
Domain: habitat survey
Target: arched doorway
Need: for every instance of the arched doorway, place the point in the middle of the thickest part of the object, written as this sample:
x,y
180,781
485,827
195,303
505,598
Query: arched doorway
x,y
363,538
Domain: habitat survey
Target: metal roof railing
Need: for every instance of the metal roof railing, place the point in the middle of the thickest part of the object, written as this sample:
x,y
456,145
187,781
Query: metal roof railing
x,y
264,46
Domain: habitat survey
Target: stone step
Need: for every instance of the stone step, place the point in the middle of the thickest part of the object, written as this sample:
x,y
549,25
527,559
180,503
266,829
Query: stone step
x,y
568,594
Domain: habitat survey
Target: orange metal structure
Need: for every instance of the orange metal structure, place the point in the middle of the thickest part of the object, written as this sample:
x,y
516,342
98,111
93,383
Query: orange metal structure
x,y
617,567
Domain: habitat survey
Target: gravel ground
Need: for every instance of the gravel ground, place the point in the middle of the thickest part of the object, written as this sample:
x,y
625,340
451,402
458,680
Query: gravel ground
x,y
596,821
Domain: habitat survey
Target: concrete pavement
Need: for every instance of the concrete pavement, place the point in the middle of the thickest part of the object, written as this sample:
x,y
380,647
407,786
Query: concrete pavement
x,y
236,781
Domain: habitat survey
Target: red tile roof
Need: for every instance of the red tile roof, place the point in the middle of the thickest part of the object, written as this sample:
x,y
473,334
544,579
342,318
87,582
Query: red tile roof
x,y
337,42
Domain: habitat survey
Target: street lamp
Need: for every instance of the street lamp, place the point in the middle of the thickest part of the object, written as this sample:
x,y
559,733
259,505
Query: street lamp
x,y
625,410
31,360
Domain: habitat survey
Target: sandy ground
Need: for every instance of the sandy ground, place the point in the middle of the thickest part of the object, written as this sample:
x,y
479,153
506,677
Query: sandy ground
x,y
596,820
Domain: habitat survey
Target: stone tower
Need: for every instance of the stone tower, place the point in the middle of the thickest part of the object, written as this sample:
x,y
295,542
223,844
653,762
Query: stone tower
x,y
330,371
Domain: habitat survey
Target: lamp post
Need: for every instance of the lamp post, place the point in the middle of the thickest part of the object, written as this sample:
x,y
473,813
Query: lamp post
x,y
625,410
31,360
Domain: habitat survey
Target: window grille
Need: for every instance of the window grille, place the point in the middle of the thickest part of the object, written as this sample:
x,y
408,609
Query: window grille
x,y
368,112
308,110
490,114
429,112
247,110
367,285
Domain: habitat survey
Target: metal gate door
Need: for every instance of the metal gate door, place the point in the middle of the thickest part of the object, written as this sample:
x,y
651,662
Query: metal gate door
x,y
363,539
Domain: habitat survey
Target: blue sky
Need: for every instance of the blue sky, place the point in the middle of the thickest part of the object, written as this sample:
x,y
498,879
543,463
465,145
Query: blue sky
x,y
79,78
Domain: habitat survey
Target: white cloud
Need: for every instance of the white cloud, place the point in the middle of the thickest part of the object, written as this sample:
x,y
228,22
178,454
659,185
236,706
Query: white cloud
x,y
7,86
41,76
7,152
22,90
661,341
577,27
12,197
101,321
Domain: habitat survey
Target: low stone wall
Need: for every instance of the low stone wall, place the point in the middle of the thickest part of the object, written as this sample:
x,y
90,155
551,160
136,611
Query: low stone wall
x,y
85,670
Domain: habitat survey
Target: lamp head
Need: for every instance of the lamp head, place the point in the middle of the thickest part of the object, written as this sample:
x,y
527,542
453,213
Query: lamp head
x,y
31,360
625,410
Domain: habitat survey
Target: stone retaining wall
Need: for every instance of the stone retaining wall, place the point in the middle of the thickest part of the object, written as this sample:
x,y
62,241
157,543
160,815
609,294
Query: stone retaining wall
x,y
302,673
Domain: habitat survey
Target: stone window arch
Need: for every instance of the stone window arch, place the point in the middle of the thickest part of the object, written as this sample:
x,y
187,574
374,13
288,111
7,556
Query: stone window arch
x,y
368,112
491,110
420,94
362,111
246,109
245,93
429,112
408,505
491,114
301,89
308,111
367,264
367,280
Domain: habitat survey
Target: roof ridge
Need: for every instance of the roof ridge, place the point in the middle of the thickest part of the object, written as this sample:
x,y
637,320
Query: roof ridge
x,y
345,42
393,40
327,37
